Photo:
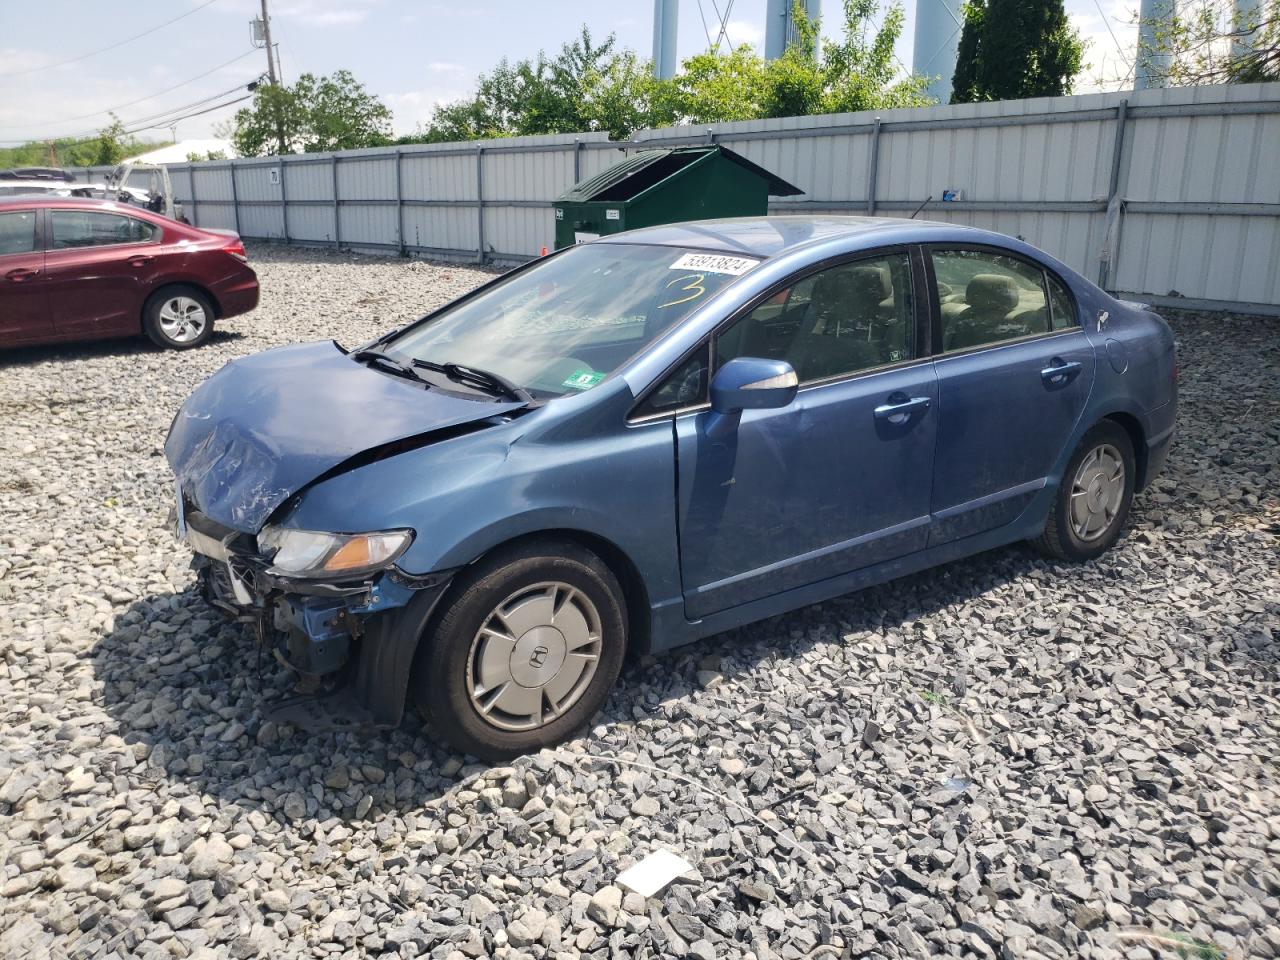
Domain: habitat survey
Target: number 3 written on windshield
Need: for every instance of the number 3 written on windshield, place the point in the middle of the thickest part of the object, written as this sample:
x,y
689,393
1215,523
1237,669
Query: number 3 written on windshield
x,y
693,287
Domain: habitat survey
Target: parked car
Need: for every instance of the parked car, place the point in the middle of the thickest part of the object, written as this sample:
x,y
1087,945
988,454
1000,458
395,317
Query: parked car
x,y
654,437
76,269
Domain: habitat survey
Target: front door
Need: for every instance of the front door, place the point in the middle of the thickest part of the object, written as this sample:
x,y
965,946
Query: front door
x,y
837,480
99,268
24,306
1014,374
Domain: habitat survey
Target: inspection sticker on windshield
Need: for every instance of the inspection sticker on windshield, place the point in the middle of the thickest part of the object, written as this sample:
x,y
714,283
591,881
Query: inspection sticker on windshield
x,y
583,379
714,263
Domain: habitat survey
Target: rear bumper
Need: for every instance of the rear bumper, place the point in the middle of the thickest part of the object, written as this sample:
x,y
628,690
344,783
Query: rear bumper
x,y
238,295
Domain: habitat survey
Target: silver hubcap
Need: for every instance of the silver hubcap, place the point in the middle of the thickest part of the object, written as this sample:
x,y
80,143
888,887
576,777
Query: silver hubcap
x,y
1096,492
182,319
534,656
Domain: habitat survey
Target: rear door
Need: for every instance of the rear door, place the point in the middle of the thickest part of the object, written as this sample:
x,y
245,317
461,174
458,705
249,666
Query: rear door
x,y
840,478
24,305
1014,372
99,268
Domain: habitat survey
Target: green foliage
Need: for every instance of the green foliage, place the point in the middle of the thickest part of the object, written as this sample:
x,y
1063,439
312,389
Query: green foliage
x,y
196,157
1011,49
314,115
108,148
590,87
1211,41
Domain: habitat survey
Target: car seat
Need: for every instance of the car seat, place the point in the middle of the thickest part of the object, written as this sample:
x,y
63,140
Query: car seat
x,y
992,313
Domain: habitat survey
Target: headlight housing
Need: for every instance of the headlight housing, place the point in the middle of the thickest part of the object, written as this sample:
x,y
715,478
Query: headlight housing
x,y
314,554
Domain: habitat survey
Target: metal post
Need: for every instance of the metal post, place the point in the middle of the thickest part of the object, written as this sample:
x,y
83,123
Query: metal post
x,y
1155,19
337,218
399,201
1106,264
577,160
191,175
665,17
873,168
284,200
479,204
235,199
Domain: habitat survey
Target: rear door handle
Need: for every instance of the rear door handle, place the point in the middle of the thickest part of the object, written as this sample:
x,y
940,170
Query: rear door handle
x,y
140,261
901,408
18,274
1059,372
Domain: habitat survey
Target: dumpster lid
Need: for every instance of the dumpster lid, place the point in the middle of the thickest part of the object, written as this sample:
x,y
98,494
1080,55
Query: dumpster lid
x,y
647,167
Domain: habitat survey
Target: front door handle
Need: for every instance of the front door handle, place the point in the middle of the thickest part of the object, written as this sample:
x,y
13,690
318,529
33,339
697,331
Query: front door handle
x,y
1059,372
18,274
140,261
900,408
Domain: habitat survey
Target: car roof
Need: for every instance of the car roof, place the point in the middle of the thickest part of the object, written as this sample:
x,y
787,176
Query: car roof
x,y
774,235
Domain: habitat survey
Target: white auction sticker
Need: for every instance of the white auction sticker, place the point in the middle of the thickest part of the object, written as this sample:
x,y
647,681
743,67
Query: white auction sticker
x,y
714,263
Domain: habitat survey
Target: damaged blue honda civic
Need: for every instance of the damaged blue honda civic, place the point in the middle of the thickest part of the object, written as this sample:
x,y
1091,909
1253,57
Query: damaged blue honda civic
x,y
646,439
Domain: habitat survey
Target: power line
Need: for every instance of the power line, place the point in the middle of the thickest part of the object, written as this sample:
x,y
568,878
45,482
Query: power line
x,y
149,96
164,119
121,43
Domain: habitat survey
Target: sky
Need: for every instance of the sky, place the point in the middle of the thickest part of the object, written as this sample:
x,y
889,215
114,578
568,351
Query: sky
x,y
414,55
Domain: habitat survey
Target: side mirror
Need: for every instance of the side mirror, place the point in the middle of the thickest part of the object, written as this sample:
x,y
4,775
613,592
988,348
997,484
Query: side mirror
x,y
752,383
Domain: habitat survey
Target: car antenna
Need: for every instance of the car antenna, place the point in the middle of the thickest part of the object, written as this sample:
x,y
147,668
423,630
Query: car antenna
x,y
921,207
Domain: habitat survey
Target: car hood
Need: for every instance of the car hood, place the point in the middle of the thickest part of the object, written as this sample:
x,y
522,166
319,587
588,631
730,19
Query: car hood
x,y
265,426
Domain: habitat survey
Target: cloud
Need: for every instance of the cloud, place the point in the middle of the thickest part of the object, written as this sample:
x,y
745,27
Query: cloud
x,y
322,13
1109,29
413,108
745,31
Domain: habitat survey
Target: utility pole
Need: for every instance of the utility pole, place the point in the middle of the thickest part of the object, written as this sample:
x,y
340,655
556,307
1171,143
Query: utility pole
x,y
266,35
274,76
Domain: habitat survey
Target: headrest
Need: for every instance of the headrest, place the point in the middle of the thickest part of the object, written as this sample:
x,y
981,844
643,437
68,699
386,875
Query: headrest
x,y
871,283
991,291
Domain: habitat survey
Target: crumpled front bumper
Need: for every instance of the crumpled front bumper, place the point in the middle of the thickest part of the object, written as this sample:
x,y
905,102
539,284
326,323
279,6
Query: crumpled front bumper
x,y
314,626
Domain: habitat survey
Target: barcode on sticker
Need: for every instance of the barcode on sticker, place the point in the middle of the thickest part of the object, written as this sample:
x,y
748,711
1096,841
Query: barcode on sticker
x,y
714,263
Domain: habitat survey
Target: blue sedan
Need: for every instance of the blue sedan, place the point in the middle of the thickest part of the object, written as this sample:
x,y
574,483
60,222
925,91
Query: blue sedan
x,y
654,437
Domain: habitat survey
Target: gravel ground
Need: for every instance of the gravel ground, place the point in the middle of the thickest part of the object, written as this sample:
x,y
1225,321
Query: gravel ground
x,y
1001,757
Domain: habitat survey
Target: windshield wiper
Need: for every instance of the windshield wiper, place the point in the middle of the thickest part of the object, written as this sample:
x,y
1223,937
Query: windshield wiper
x,y
475,377
390,364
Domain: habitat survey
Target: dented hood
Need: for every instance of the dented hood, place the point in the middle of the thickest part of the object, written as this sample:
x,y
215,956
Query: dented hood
x,y
265,426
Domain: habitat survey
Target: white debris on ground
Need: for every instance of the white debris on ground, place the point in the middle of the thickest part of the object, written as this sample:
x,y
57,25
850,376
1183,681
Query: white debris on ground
x,y
1001,757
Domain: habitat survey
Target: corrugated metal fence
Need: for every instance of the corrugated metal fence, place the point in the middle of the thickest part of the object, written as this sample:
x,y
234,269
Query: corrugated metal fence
x,y
1173,195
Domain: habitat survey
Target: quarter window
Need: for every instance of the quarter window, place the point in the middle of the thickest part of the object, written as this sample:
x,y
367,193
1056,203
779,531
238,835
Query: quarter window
x,y
85,228
988,297
832,323
1062,311
17,232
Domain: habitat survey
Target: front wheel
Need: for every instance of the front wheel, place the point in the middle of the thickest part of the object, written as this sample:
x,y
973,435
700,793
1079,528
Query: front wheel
x,y
1094,498
526,652
178,318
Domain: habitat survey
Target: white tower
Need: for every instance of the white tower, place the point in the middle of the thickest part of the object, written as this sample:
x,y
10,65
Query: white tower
x,y
938,25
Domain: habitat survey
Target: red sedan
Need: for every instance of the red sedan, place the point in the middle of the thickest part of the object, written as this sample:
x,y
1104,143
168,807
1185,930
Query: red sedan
x,y
86,269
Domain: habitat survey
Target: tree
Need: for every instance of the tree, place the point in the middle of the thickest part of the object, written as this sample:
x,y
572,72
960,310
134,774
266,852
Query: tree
x,y
1011,49
590,86
1210,41
314,115
110,145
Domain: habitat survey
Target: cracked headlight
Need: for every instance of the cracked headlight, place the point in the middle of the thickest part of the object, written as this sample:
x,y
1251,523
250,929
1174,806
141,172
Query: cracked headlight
x,y
310,553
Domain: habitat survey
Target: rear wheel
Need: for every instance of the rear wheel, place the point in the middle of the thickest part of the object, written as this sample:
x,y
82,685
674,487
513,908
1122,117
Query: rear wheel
x,y
178,318
1093,501
526,652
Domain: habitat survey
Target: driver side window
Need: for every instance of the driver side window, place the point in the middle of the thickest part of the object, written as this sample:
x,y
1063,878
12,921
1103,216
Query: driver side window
x,y
833,323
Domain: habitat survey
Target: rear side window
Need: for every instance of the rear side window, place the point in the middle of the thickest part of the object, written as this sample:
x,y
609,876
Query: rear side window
x,y
987,297
88,228
1062,310
17,232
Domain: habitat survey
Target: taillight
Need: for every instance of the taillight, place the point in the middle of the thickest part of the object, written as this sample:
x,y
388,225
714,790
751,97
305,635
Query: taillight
x,y
236,249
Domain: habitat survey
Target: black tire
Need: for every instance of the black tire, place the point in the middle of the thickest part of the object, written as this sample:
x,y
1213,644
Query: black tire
x,y
1060,540
443,669
153,323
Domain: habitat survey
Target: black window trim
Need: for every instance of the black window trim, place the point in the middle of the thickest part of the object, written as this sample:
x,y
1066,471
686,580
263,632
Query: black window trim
x,y
935,304
157,231
923,330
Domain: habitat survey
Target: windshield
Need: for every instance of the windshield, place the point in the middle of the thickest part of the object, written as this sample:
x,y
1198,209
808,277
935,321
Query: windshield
x,y
563,326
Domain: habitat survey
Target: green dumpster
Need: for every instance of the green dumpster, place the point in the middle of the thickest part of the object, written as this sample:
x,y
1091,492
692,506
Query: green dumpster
x,y
666,186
